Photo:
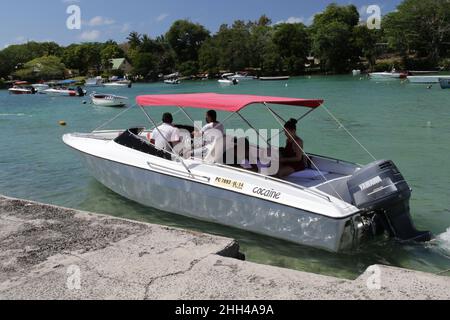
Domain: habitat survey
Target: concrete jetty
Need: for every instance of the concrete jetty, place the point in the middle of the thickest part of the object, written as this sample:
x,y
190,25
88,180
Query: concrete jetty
x,y
49,252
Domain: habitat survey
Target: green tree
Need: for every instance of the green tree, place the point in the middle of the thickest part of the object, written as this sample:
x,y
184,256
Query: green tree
x,y
293,45
186,39
44,68
110,50
84,57
332,33
421,27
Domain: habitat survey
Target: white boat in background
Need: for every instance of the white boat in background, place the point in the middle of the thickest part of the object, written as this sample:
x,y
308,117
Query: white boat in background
x,y
94,82
22,87
172,81
356,73
445,83
426,79
241,77
282,78
40,87
393,75
63,92
227,82
119,84
108,100
333,205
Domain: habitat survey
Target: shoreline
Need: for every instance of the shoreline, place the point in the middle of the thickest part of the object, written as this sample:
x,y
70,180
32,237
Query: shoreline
x,y
43,247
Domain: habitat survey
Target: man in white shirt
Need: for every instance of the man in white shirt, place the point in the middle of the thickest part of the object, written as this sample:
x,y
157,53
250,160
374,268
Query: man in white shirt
x,y
166,136
212,123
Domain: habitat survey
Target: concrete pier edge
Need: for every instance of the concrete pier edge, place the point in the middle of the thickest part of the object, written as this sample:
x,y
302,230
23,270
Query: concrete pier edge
x,y
50,252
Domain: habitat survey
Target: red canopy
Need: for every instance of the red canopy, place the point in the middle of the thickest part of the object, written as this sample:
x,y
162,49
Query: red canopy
x,y
220,102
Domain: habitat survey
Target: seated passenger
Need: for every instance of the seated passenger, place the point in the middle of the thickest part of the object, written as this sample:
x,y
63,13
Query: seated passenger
x,y
166,136
292,158
212,123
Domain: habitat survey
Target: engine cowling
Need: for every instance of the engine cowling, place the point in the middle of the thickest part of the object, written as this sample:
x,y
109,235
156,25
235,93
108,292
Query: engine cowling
x,y
380,188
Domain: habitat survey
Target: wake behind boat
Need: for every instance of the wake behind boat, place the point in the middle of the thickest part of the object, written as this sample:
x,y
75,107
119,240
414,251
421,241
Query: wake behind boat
x,y
108,100
333,205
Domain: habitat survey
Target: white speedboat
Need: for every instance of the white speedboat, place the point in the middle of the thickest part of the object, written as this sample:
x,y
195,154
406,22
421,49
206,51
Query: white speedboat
x,y
94,82
119,84
40,87
228,82
445,83
63,92
172,81
356,73
241,77
108,100
18,90
333,205
426,79
393,75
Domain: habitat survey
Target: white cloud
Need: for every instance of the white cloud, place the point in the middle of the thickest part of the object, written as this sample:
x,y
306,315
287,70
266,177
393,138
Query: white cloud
x,y
162,17
90,35
100,21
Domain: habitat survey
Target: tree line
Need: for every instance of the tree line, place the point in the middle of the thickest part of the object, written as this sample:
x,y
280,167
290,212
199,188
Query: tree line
x,y
415,36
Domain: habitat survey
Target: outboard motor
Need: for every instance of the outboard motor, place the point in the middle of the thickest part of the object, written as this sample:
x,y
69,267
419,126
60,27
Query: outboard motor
x,y
380,188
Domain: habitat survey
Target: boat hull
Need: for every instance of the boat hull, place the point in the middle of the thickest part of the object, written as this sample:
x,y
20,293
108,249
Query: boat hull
x,y
233,209
274,78
445,83
426,79
108,102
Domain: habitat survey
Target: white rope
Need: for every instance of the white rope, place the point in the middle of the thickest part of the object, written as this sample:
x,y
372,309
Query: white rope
x,y
349,133
109,121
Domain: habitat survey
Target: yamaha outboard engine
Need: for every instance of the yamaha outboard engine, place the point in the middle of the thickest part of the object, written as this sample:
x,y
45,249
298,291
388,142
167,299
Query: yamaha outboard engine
x,y
380,188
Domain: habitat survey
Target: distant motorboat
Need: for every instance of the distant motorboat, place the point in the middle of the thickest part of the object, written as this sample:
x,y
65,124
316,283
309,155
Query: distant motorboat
x,y
426,79
445,83
22,87
172,81
119,84
108,100
62,92
241,77
274,78
393,75
40,87
228,82
356,73
21,90
94,82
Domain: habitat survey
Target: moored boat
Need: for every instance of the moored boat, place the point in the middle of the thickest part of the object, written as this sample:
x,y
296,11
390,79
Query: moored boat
x,y
108,100
64,92
445,83
119,84
426,79
172,81
393,75
22,87
333,204
282,78
94,82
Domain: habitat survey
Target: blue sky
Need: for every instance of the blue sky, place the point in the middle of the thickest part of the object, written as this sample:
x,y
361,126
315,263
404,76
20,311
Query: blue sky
x,y
114,19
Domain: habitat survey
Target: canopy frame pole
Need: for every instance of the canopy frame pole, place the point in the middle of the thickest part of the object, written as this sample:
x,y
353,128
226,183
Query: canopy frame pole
x,y
308,157
189,117
299,119
113,119
168,143
251,126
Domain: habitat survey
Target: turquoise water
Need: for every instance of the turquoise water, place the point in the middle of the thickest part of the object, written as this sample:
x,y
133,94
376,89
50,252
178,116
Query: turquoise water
x,y
406,123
